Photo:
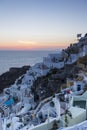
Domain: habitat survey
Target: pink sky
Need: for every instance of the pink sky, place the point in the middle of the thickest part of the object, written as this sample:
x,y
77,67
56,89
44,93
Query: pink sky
x,y
30,45
41,24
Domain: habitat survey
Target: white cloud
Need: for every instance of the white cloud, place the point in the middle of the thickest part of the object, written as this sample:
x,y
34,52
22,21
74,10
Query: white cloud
x,y
27,42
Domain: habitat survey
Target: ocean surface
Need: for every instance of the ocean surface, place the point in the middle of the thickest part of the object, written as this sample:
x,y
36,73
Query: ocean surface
x,y
20,58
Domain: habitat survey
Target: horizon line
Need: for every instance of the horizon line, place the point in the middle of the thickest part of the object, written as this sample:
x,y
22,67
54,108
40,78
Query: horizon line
x,y
37,49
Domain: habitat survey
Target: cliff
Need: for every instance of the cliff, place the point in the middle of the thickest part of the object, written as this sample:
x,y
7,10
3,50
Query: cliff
x,y
8,78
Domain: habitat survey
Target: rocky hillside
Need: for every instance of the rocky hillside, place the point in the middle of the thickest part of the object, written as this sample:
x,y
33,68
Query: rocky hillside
x,y
9,77
50,84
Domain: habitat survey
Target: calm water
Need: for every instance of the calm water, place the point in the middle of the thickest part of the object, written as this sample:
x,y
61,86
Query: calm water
x,y
20,58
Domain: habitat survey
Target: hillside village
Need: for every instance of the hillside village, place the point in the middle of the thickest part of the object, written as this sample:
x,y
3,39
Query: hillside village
x,y
51,95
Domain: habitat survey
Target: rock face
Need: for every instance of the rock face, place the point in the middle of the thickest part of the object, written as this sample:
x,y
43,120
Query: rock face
x,y
8,78
50,84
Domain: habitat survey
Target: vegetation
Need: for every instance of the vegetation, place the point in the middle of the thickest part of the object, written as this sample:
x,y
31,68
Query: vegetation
x,y
8,125
66,121
55,125
67,113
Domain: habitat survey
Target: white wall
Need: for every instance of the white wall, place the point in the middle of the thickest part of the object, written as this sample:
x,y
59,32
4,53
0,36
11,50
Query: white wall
x,y
44,126
78,119
80,126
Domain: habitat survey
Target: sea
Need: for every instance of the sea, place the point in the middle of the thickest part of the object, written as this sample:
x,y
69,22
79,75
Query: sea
x,y
10,59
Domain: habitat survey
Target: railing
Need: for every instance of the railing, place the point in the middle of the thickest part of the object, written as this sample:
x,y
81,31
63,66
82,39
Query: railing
x,y
42,103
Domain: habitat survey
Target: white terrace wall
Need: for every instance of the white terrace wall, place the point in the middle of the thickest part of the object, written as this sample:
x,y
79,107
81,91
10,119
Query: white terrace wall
x,y
80,126
78,119
44,126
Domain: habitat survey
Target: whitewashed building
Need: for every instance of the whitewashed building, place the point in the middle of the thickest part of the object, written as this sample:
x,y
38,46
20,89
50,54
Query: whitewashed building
x,y
54,60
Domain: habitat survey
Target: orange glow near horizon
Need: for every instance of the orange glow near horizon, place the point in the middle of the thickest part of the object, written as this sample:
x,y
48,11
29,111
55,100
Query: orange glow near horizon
x,y
31,46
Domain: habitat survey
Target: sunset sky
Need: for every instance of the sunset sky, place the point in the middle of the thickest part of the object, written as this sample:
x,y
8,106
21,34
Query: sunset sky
x,y
41,24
